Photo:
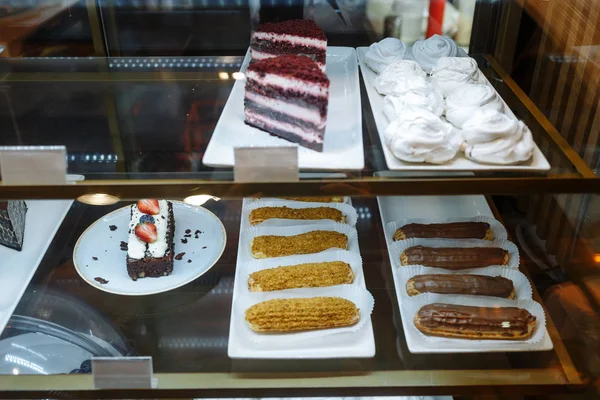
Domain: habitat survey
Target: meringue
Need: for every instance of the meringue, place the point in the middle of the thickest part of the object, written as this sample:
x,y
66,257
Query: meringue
x,y
428,52
394,106
421,136
462,103
385,52
401,77
495,138
451,72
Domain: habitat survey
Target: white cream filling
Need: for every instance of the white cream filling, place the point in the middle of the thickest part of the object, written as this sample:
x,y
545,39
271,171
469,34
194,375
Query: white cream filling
x,y
286,83
293,110
295,40
259,55
310,136
137,248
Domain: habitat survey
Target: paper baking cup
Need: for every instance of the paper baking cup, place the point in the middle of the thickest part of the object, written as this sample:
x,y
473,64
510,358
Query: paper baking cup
x,y
497,228
353,259
410,308
522,286
255,231
359,296
396,248
347,210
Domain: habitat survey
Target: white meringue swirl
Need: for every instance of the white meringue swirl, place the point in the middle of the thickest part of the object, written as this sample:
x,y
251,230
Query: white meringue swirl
x,y
421,136
465,65
394,106
385,52
427,52
495,138
397,79
462,103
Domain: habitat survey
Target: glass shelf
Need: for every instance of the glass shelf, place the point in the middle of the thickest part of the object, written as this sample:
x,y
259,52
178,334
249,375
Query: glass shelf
x,y
186,333
140,126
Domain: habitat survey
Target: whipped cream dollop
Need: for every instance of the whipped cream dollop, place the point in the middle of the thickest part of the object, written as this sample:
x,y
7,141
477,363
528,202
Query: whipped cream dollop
x,y
401,77
495,138
428,52
421,136
394,106
451,72
462,103
385,52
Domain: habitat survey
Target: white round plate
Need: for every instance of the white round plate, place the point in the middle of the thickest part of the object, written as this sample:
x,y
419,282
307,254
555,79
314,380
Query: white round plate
x,y
98,241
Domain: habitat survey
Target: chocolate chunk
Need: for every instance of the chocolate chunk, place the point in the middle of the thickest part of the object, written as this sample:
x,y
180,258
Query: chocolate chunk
x,y
188,230
203,247
188,235
189,261
179,256
112,227
95,258
197,232
124,246
184,241
101,280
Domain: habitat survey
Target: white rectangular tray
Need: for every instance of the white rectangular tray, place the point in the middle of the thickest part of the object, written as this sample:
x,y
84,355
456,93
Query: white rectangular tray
x,y
393,208
343,147
18,267
537,163
360,344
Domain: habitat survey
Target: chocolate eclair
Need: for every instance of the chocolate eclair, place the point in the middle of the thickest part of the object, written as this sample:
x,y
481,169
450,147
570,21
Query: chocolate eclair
x,y
468,322
454,257
449,230
479,285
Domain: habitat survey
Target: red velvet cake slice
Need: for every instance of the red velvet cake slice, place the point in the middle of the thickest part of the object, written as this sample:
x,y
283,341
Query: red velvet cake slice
x,y
287,96
298,37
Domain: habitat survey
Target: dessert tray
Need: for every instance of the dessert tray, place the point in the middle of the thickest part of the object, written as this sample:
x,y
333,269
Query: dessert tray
x,y
343,147
350,342
98,256
537,163
43,219
439,209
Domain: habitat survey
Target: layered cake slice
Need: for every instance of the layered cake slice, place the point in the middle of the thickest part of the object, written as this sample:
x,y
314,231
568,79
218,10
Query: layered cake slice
x,y
150,246
298,37
12,223
287,96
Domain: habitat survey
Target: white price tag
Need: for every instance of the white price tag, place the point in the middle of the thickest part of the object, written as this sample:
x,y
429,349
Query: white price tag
x,y
122,373
33,165
266,164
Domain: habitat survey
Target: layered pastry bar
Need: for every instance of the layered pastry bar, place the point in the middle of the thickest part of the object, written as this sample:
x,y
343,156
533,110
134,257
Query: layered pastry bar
x,y
12,223
150,246
317,199
302,314
450,230
262,214
296,37
307,275
305,243
468,322
287,96
454,257
464,284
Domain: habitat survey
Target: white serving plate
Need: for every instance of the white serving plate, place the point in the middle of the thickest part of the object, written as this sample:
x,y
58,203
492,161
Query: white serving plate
x,y
99,241
17,267
343,147
537,162
393,208
359,344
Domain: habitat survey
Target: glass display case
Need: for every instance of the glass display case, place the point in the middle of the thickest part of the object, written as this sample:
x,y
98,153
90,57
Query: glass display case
x,y
299,198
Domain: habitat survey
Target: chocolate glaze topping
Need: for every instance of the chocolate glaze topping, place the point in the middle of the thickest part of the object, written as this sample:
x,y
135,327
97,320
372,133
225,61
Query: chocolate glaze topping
x,y
451,230
478,318
480,285
455,257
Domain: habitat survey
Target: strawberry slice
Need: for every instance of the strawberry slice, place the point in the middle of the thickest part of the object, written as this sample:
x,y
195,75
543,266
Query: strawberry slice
x,y
149,206
146,232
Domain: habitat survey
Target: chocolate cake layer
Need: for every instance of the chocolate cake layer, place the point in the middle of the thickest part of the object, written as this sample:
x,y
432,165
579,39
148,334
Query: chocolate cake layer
x,y
12,223
298,27
451,230
480,285
289,96
285,135
506,321
454,257
150,267
277,48
271,113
